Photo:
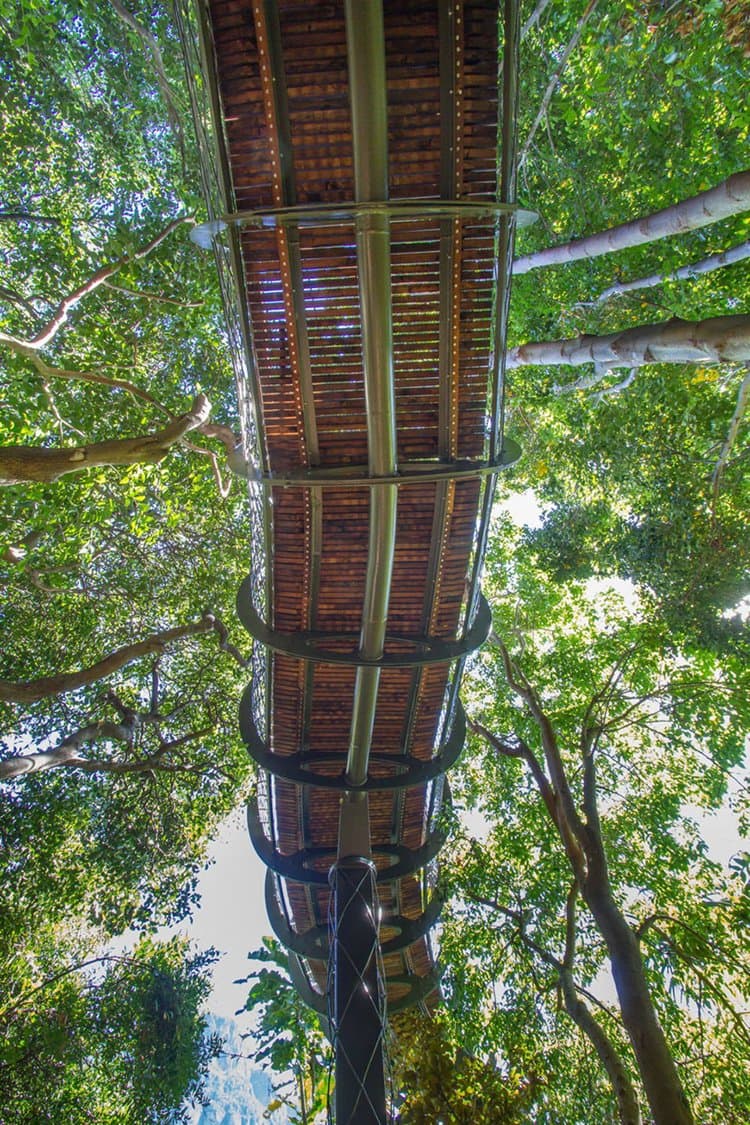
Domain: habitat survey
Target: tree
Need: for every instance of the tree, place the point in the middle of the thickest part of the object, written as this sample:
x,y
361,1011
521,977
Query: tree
x,y
637,465
113,1038
617,732
113,670
289,1037
639,477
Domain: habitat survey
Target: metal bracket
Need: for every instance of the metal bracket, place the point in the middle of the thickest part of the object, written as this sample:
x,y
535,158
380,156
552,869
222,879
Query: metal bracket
x,y
300,768
308,645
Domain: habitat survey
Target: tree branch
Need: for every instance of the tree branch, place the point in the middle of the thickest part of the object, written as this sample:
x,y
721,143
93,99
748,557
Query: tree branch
x,y
568,821
5,1013
33,690
521,750
46,334
161,298
534,18
721,339
21,464
739,413
607,1051
615,389
49,372
713,262
25,217
731,197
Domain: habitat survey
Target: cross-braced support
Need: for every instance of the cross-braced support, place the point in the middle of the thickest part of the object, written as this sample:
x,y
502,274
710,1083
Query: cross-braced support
x,y
358,995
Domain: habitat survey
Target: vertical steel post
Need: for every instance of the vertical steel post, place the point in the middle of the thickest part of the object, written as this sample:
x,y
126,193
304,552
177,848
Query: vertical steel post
x,y
358,1005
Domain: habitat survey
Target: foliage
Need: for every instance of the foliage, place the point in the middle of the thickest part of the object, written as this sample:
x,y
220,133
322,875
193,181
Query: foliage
x,y
640,485
649,111
651,108
125,1044
97,166
440,1082
289,1037
672,724
93,563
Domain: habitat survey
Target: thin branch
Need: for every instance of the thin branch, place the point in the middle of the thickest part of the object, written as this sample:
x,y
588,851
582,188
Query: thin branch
x,y
584,382
61,422
21,464
568,821
616,387
63,682
49,372
570,927
17,299
10,1011
25,217
743,395
534,18
151,43
555,80
685,273
521,750
709,982
161,298
226,646
60,316
223,487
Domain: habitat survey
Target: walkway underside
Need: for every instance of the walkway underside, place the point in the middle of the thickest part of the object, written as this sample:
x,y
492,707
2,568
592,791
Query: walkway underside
x,y
372,243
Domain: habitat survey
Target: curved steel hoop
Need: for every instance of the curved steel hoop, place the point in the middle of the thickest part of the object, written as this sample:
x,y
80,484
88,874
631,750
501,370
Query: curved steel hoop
x,y
297,866
420,988
409,472
310,645
300,768
314,943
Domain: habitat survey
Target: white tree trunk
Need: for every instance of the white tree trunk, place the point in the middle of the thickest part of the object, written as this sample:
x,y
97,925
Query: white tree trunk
x,y
718,340
728,198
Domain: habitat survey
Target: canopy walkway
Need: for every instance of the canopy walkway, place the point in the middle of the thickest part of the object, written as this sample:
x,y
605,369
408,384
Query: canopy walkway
x,y
363,226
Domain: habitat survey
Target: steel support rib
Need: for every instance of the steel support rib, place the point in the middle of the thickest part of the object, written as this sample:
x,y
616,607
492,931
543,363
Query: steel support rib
x,y
366,55
358,994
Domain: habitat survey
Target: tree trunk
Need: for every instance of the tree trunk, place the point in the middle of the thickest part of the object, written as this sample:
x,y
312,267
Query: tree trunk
x,y
627,1102
666,1098
721,339
731,197
22,464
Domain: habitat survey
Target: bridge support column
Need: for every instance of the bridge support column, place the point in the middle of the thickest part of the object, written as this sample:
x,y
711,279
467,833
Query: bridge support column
x,y
358,1002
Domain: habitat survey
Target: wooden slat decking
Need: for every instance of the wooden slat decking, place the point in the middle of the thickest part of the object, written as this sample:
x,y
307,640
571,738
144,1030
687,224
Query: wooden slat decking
x,y
284,89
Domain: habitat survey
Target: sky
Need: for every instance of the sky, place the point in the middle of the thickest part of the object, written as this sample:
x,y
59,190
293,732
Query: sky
x,y
231,915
